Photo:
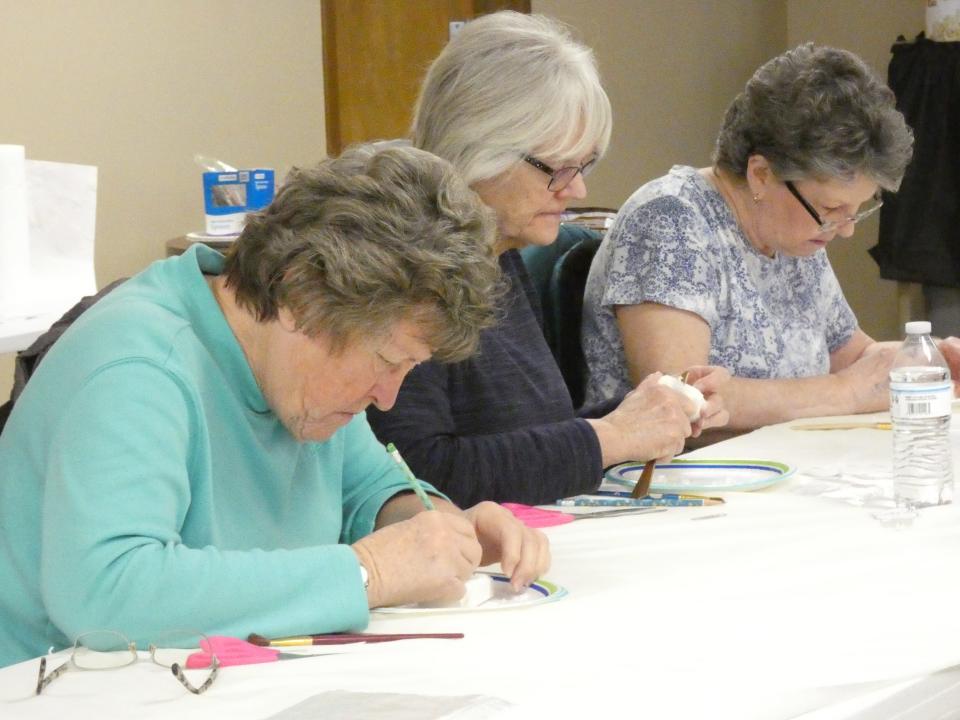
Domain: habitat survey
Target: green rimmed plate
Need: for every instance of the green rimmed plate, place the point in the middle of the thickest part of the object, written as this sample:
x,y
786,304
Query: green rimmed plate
x,y
701,476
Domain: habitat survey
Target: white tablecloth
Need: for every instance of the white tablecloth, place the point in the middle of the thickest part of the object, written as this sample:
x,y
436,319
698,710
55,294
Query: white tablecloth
x,y
790,603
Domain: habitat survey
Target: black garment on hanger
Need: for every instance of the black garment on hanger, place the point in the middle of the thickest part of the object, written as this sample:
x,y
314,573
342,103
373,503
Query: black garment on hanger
x,y
920,225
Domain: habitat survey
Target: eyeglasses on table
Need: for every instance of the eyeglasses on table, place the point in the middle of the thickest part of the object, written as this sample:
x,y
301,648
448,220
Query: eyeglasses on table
x,y
110,650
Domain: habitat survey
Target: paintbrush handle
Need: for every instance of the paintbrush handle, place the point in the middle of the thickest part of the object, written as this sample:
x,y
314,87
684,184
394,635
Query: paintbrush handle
x,y
346,638
643,483
375,638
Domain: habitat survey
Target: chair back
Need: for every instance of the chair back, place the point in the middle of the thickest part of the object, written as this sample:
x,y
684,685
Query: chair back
x,y
559,273
27,360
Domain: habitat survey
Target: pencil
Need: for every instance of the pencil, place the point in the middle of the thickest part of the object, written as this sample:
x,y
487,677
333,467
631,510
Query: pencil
x,y
411,478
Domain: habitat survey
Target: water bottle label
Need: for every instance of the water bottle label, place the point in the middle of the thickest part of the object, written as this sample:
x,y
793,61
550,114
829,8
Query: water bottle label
x,y
910,401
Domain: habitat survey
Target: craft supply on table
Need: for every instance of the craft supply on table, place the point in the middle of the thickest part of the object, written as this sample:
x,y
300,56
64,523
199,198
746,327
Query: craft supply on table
x,y
643,482
666,501
346,638
682,496
538,517
844,426
234,651
701,476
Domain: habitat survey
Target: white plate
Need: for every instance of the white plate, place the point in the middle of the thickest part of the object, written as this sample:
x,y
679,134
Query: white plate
x,y
701,475
541,591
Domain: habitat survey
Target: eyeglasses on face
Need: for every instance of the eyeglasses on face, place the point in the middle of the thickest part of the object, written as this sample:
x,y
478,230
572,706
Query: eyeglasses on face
x,y
109,650
560,178
831,225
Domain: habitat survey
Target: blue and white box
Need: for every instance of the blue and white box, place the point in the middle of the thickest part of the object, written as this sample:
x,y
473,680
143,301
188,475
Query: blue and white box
x,y
229,196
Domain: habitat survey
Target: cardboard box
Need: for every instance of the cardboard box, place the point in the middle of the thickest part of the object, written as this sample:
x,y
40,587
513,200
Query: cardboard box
x,y
229,196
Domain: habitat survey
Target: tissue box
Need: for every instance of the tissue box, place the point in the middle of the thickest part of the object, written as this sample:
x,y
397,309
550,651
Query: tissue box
x,y
229,196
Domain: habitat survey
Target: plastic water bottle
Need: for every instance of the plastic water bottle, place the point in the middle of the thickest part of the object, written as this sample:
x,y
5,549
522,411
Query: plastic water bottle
x,y
921,395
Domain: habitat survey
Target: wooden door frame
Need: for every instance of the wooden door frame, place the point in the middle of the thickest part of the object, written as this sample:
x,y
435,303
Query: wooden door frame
x,y
331,86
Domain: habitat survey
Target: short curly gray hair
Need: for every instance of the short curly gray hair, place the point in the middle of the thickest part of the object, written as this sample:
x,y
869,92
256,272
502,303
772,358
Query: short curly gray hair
x,y
816,112
372,237
509,85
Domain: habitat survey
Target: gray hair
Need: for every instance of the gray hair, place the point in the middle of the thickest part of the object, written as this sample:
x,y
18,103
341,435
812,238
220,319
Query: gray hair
x,y
508,85
816,112
372,237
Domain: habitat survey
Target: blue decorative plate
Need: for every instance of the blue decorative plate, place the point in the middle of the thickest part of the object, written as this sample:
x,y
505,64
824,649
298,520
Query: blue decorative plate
x,y
701,476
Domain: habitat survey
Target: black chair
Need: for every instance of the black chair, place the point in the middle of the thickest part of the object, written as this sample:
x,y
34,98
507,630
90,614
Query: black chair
x,y
559,273
28,360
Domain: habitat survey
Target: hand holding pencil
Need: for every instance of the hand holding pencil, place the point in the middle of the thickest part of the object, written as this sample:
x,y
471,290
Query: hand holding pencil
x,y
425,558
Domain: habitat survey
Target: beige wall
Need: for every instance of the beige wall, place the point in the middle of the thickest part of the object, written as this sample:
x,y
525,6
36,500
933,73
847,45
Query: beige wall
x,y
672,66
136,87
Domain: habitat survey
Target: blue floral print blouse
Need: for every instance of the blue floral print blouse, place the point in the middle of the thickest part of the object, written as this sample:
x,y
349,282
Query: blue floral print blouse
x,y
675,242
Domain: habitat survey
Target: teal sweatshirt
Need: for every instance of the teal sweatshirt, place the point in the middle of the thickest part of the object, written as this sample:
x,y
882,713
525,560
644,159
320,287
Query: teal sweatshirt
x,y
145,485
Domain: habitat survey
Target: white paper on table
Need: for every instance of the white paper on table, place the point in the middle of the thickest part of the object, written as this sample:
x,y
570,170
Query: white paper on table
x,y
47,230
62,202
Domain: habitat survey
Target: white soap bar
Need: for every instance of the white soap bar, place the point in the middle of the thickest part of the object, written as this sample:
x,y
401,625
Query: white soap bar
x,y
480,588
694,395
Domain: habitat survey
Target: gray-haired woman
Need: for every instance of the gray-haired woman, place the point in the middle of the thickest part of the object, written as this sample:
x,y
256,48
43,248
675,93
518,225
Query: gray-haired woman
x,y
727,264
193,451
517,106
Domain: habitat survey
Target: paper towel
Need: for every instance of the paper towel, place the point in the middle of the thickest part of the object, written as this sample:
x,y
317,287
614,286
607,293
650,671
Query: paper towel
x,y
14,232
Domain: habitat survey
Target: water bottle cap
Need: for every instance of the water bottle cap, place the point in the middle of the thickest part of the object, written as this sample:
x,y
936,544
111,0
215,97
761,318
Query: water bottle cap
x,y
918,327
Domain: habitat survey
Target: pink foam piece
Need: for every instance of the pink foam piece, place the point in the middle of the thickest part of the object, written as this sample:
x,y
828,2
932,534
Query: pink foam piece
x,y
537,517
230,651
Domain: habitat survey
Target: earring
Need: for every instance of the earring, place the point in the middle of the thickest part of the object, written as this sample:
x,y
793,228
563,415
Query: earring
x,y
757,197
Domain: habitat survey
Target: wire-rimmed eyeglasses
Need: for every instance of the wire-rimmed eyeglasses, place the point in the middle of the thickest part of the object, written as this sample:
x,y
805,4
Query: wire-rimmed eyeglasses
x,y
831,225
561,177
109,650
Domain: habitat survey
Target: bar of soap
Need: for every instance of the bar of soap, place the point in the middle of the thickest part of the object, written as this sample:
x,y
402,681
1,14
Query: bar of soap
x,y
694,395
480,588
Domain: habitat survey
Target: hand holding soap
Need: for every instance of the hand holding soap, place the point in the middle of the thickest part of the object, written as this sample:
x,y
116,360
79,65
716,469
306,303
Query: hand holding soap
x,y
694,395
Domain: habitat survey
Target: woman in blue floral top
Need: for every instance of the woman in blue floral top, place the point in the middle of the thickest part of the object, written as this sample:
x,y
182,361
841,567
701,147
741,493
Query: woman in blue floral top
x,y
727,265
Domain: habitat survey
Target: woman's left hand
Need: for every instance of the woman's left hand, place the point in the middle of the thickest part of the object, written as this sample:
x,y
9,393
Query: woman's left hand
x,y
709,380
524,553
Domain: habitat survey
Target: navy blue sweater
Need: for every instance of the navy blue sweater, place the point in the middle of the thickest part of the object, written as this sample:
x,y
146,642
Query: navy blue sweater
x,y
501,425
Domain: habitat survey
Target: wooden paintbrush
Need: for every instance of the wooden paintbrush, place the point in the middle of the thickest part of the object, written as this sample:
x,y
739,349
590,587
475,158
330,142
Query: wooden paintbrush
x,y
646,477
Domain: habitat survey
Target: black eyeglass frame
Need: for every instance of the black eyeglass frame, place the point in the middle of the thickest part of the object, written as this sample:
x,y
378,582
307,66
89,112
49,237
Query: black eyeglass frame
x,y
557,180
831,225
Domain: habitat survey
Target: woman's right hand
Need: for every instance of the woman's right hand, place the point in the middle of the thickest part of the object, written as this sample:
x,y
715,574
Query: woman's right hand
x,y
426,558
651,422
